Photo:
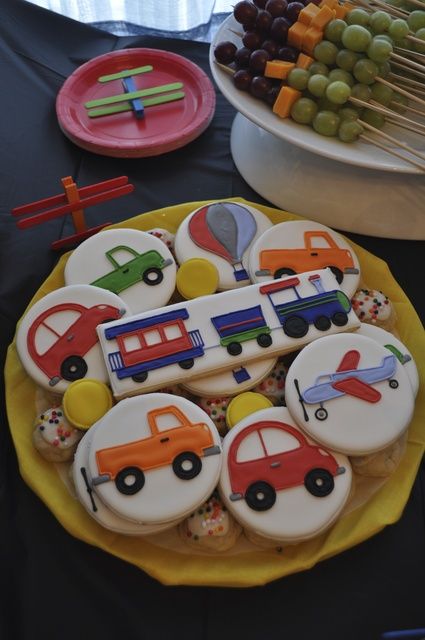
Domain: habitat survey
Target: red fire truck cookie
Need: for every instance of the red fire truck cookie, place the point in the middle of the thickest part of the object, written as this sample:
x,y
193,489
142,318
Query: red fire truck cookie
x,y
223,332
57,340
277,482
160,464
302,245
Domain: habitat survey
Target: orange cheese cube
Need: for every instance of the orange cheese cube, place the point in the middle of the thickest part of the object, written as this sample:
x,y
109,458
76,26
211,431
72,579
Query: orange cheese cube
x,y
303,61
307,14
284,101
329,3
311,38
278,69
324,16
296,34
341,10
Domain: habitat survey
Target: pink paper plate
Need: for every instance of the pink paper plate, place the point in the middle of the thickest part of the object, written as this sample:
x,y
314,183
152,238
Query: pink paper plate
x,y
164,128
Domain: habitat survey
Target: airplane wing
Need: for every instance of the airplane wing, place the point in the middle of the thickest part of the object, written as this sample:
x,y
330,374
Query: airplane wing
x,y
358,389
349,361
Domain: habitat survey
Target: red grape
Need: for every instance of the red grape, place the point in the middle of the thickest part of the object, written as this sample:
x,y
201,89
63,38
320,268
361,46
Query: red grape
x,y
260,3
252,40
225,52
258,60
279,30
272,94
242,57
260,86
242,80
245,12
292,11
290,54
272,47
264,21
276,7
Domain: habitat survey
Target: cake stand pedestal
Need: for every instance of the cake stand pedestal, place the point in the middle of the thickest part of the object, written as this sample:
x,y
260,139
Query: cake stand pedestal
x,y
343,196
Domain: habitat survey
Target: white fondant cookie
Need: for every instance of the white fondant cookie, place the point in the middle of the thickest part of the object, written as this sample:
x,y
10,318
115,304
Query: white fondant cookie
x,y
396,347
57,340
164,235
230,383
227,331
210,527
133,264
161,462
54,437
374,307
277,482
92,502
302,245
350,393
223,233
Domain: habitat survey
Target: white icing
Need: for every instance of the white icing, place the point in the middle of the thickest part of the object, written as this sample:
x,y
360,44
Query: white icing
x,y
89,262
186,248
209,520
165,497
209,356
289,236
55,429
296,514
386,338
351,424
57,324
372,306
102,514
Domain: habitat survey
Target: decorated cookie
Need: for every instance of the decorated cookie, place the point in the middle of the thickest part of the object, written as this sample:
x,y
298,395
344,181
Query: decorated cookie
x,y
277,482
374,307
216,408
396,347
160,464
57,340
302,245
244,405
350,393
91,501
133,264
210,527
230,383
85,401
382,463
196,277
54,437
273,385
165,236
223,233
226,331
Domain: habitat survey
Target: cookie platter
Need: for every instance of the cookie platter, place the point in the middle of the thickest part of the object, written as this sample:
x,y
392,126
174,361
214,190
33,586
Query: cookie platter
x,y
366,504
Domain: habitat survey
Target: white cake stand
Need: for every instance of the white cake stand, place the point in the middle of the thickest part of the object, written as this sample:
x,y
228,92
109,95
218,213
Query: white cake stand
x,y
353,187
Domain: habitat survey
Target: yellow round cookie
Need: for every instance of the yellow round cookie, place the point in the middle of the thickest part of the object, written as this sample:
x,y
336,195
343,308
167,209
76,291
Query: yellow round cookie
x,y
85,401
197,277
243,405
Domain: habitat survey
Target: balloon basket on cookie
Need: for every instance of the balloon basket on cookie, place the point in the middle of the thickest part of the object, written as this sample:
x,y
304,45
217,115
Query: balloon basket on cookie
x,y
362,486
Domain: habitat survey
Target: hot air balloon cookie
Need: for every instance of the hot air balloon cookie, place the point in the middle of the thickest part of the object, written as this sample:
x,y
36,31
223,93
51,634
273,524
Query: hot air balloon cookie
x,y
223,233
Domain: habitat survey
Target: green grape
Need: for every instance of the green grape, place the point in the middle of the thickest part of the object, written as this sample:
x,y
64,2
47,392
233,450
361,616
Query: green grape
x,y
298,79
348,114
384,69
385,37
365,71
401,102
356,38
343,76
334,30
404,44
326,123
326,105
380,21
395,3
373,118
379,50
398,29
317,85
357,16
346,59
304,110
349,131
318,67
338,92
326,51
416,20
420,33
361,92
382,94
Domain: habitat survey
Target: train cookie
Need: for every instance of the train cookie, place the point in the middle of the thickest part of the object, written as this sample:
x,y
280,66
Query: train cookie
x,y
223,233
350,393
57,341
221,332
277,482
302,245
135,265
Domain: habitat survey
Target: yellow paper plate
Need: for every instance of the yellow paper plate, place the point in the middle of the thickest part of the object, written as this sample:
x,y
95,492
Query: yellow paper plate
x,y
243,569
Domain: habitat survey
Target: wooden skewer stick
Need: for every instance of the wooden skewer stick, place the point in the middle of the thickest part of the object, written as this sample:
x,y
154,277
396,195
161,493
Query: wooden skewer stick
x,y
414,39
404,126
225,68
394,141
366,138
237,33
404,67
406,61
412,54
403,92
379,108
417,3
407,81
400,105
397,119
415,91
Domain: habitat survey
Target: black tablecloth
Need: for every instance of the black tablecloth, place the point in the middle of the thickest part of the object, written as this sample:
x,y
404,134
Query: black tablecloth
x,y
55,586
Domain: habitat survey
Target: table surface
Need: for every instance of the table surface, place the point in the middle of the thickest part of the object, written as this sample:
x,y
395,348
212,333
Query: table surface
x,y
58,586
